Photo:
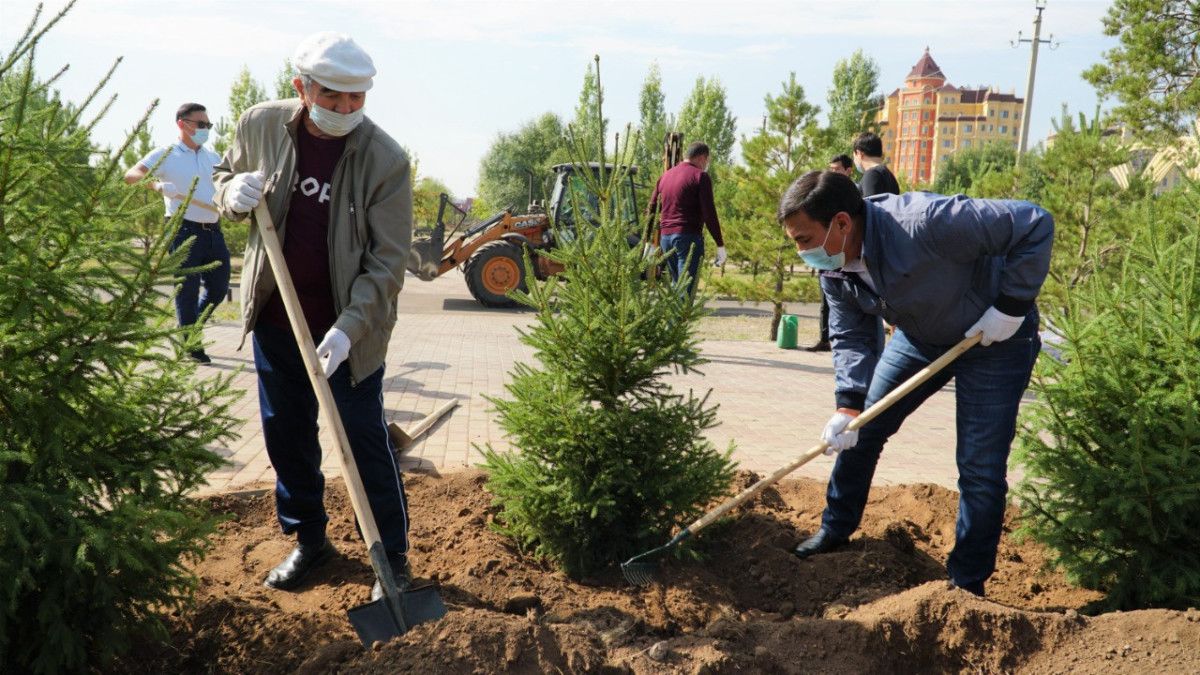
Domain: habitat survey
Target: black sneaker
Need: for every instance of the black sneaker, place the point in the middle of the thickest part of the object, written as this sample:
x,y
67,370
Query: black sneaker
x,y
199,356
822,346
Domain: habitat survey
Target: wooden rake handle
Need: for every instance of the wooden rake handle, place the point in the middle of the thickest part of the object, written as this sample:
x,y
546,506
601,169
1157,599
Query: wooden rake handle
x,y
328,407
866,416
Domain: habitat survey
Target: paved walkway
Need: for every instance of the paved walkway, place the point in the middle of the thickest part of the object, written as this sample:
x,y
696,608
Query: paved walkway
x,y
773,403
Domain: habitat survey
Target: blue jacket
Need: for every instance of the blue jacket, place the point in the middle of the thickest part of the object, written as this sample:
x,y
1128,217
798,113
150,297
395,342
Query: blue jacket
x,y
937,263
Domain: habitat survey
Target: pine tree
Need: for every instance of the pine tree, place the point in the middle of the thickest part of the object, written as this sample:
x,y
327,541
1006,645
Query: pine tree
x,y
705,117
149,222
774,157
106,422
1110,445
653,127
243,93
589,123
609,458
853,98
283,81
1091,224
1154,72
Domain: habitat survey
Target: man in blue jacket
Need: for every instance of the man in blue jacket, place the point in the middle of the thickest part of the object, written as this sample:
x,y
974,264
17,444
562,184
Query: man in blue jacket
x,y
939,269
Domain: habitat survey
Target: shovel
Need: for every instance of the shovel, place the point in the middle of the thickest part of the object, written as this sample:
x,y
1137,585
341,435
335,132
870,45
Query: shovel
x,y
393,614
639,570
403,438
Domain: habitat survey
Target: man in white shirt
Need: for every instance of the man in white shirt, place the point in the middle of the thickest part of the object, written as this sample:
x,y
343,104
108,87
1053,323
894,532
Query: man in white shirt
x,y
176,167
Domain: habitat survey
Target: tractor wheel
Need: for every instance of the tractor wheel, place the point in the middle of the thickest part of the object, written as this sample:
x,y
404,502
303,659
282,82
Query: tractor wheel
x,y
494,270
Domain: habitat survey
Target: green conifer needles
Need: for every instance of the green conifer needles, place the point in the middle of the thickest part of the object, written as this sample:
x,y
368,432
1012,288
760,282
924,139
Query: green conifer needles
x,y
609,459
105,428
1111,448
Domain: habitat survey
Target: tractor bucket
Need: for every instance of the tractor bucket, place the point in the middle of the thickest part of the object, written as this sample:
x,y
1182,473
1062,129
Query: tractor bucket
x,y
425,256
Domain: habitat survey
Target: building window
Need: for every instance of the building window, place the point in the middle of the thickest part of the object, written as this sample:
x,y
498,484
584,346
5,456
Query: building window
x,y
991,113
947,144
967,143
1003,129
924,131
927,100
1004,114
967,128
945,158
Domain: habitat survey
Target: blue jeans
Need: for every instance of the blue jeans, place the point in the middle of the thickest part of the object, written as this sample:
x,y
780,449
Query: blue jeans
x,y
208,246
680,246
989,382
289,417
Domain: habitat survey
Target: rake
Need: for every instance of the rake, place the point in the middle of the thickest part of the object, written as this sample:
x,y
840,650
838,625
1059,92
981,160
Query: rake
x,y
639,570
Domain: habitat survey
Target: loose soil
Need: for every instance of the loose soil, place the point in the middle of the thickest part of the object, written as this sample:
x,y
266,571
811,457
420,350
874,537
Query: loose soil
x,y
880,605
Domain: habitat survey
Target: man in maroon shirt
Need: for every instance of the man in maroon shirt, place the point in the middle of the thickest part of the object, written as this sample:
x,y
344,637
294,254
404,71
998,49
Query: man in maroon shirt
x,y
687,206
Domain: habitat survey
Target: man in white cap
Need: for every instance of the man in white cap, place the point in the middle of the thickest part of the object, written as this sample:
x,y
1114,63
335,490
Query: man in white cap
x,y
343,206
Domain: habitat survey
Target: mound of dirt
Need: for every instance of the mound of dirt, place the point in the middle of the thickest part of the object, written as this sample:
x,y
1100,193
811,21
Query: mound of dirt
x,y
880,604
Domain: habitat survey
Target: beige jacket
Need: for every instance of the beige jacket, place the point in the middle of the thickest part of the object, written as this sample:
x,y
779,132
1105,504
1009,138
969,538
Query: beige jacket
x,y
370,223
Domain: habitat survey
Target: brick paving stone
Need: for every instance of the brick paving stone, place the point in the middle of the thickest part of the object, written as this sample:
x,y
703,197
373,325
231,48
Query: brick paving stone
x,y
773,403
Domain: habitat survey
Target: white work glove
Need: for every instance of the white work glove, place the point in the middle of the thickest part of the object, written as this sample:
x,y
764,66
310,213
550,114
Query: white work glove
x,y
721,257
333,350
836,434
244,192
165,189
996,326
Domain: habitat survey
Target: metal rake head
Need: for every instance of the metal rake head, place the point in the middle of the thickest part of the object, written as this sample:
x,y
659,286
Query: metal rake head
x,y
639,570
639,573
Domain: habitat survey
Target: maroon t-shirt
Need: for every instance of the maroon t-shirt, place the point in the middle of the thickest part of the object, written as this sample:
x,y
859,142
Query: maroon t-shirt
x,y
306,235
686,194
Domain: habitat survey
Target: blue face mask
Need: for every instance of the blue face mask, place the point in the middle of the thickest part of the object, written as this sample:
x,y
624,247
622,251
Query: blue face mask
x,y
818,259
200,137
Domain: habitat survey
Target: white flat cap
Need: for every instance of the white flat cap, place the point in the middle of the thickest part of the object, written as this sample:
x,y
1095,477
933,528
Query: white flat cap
x,y
334,60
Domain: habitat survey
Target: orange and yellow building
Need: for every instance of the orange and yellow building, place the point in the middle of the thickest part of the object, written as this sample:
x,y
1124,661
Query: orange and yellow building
x,y
927,120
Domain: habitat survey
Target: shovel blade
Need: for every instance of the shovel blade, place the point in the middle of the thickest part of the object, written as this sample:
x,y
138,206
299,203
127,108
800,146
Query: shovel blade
x,y
375,622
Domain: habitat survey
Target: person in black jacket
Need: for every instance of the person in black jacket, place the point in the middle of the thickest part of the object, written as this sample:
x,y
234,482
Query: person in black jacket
x,y
877,179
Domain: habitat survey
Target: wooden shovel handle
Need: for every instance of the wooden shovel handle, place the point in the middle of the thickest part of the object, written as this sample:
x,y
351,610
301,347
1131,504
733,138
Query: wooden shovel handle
x,y
316,375
866,416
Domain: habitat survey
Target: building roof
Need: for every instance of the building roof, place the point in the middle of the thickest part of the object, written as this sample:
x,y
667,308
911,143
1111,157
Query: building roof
x,y
926,67
981,95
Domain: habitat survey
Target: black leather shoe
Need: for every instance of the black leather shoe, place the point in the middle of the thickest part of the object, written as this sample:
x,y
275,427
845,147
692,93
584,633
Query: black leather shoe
x,y
400,572
821,542
973,588
290,573
200,357
822,346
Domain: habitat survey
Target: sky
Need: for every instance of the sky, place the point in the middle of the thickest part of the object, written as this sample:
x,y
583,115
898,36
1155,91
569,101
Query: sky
x,y
454,74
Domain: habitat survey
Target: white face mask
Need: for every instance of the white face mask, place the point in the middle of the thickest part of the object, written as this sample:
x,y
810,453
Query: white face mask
x,y
334,123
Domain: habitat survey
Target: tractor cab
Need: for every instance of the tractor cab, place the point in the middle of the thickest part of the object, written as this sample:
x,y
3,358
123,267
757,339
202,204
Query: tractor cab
x,y
571,202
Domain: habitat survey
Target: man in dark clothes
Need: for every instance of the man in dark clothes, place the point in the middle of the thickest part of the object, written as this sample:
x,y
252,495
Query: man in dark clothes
x,y
844,165
877,179
687,206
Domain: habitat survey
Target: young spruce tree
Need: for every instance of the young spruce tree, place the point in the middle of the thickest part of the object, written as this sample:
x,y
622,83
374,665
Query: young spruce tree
x,y
1111,447
105,425
610,460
